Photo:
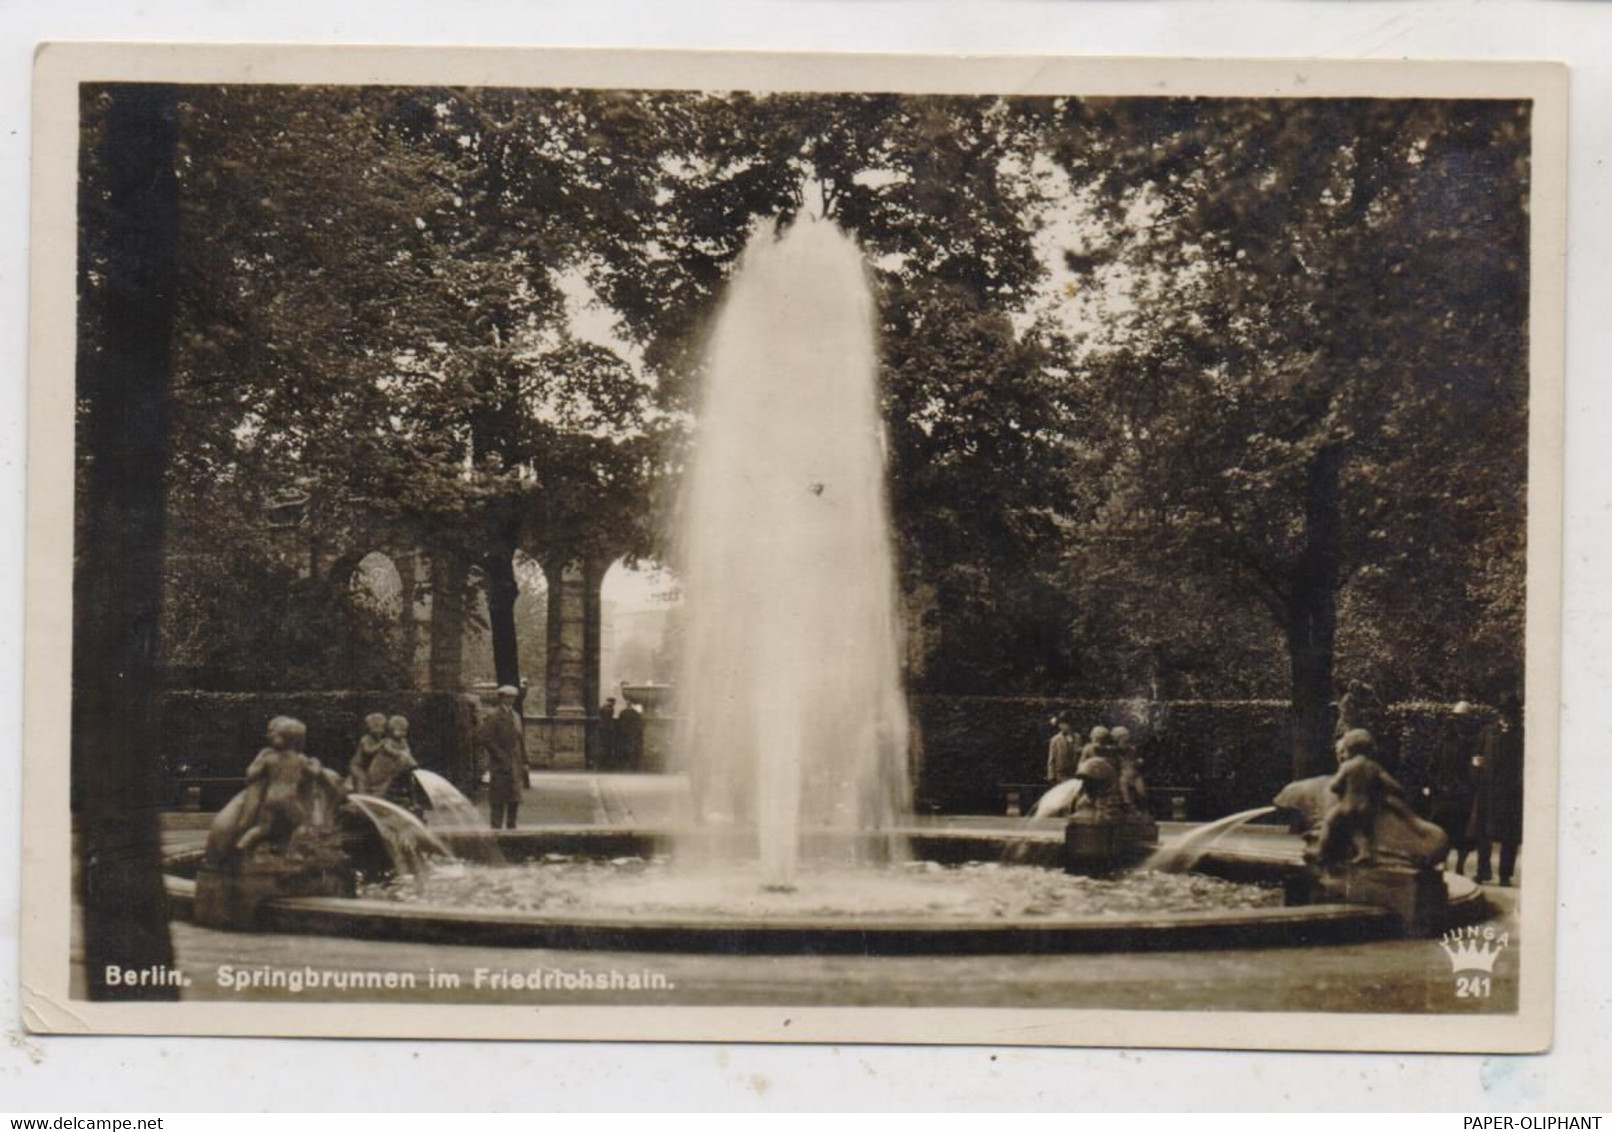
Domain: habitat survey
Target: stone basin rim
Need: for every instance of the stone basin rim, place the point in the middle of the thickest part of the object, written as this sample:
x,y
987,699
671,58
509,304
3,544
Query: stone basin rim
x,y
1158,931
1304,925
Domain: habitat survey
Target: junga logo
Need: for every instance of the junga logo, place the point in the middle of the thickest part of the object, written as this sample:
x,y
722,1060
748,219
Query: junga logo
x,y
1472,953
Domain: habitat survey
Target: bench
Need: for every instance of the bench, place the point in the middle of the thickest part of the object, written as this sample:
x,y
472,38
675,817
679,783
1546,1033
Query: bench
x,y
1168,803
1021,797
1172,803
206,794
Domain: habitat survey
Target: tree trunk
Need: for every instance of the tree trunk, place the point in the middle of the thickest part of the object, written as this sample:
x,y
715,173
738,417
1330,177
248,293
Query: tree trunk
x,y
502,589
123,387
1309,643
1312,622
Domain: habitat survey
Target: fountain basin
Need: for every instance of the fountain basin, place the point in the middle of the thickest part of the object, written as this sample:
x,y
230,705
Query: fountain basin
x,y
865,933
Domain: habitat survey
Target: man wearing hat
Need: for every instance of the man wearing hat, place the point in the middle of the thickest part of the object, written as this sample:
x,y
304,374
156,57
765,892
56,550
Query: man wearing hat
x,y
1062,754
1497,790
503,742
1449,790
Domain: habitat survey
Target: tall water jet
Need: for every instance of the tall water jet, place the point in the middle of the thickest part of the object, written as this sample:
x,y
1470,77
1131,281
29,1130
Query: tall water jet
x,y
795,728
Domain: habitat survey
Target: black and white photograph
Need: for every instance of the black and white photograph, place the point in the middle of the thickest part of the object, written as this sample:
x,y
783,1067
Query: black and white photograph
x,y
918,549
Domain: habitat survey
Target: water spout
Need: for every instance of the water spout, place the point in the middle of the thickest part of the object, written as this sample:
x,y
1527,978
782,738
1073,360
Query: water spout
x,y
446,807
408,844
461,826
1185,851
794,722
1057,801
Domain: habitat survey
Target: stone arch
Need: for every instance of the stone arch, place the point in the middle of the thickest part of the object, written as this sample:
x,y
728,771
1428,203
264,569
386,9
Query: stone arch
x,y
353,616
376,582
637,609
531,616
393,580
422,590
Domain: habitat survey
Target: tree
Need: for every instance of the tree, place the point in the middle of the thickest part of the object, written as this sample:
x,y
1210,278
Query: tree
x,y
940,194
126,277
1276,302
379,320
1321,267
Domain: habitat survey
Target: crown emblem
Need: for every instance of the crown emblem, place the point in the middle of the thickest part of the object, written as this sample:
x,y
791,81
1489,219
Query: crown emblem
x,y
1472,955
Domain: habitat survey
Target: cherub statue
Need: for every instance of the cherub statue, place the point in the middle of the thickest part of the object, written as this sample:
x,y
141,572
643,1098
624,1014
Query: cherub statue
x,y
1098,744
369,746
1364,789
1099,794
281,785
388,770
1370,821
1132,786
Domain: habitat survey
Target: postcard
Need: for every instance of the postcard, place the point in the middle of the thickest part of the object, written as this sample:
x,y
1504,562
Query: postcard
x,y
768,547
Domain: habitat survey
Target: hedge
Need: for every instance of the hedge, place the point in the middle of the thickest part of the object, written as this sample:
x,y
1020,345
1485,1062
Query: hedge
x,y
1428,734
1231,754
214,735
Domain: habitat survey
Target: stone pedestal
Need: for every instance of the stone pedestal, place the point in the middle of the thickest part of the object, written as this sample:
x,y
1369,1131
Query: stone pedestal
x,y
1097,847
568,742
1417,897
229,897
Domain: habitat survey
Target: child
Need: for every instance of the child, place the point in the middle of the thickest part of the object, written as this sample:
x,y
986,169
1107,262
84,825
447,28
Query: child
x,y
369,746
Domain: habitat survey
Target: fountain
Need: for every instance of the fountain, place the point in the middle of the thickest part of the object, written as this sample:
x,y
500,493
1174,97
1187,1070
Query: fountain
x,y
296,830
1109,829
1364,844
788,813
795,732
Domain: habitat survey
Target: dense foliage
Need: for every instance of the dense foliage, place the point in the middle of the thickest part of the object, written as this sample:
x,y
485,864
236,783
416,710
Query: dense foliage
x,y
1186,399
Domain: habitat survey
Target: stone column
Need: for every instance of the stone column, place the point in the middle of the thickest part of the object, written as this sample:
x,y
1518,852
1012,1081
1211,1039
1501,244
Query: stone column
x,y
592,649
414,571
566,684
447,631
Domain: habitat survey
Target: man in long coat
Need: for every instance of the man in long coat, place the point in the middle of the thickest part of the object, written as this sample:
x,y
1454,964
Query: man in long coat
x,y
629,739
1062,751
503,742
1497,790
605,757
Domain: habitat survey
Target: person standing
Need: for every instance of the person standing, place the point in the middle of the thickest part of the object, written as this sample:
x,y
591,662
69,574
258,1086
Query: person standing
x,y
1062,753
1497,791
1450,779
503,740
604,757
629,740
